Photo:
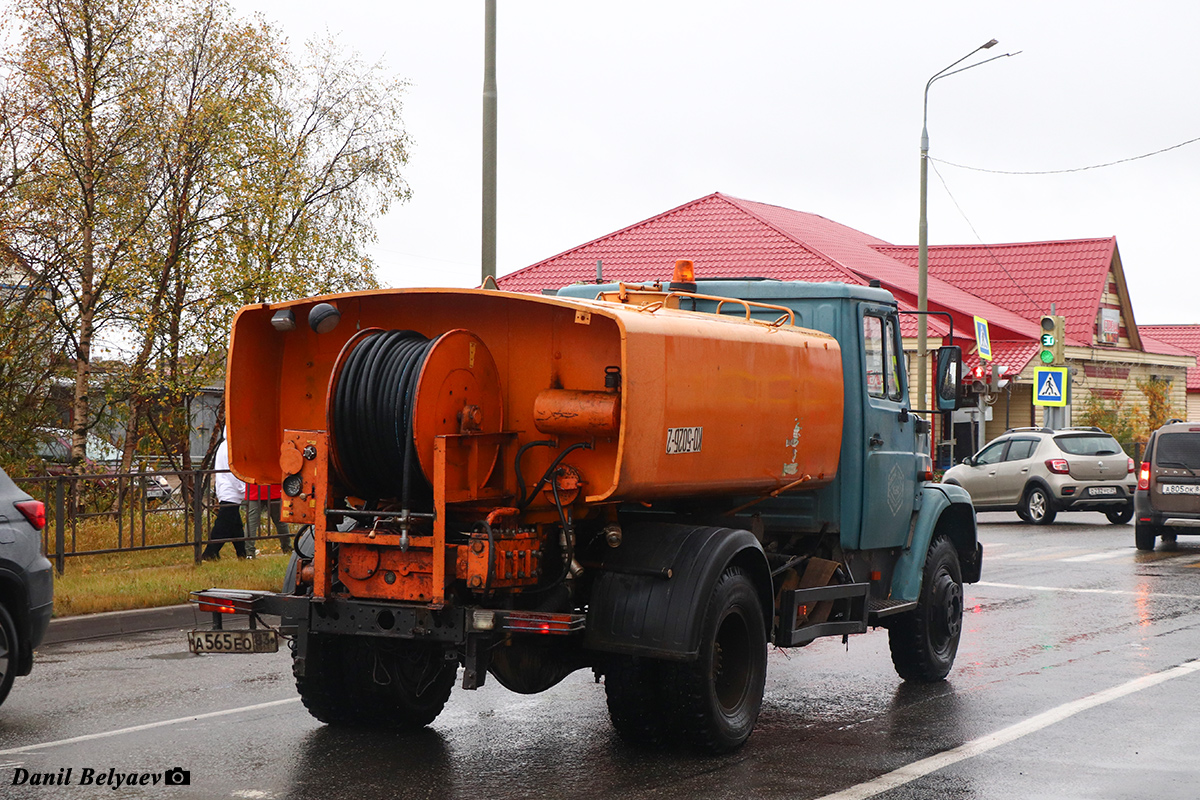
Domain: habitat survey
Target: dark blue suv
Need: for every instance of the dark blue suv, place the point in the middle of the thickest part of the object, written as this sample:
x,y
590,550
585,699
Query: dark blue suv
x,y
26,582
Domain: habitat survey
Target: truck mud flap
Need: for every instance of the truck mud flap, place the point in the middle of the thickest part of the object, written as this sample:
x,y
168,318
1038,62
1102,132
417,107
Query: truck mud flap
x,y
802,619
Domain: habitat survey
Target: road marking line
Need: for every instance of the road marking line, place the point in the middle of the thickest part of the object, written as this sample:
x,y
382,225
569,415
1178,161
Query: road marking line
x,y
1102,556
1125,592
146,727
975,747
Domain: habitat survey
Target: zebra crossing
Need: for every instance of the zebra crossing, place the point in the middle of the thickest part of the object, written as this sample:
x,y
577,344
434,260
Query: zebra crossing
x,y
994,552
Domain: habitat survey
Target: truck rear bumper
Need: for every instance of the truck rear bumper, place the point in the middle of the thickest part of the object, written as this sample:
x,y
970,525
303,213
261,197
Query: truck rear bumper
x,y
448,625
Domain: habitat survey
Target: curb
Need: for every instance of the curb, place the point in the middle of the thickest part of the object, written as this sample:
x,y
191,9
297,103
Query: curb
x,y
118,623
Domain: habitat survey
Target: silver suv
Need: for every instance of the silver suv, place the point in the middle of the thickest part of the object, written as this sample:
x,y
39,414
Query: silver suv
x,y
1039,472
1168,489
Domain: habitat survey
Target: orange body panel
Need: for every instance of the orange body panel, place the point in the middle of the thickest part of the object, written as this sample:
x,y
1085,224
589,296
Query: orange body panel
x,y
705,404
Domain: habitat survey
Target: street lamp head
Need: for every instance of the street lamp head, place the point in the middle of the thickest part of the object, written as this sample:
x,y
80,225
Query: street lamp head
x,y
990,44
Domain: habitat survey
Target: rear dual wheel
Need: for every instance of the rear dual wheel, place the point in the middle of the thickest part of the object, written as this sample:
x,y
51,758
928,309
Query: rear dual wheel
x,y
712,702
364,681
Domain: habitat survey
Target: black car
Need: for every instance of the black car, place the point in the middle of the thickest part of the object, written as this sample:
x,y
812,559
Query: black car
x,y
26,582
1167,502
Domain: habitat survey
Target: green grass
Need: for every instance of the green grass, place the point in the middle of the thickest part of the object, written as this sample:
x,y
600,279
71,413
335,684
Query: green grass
x,y
152,578
88,589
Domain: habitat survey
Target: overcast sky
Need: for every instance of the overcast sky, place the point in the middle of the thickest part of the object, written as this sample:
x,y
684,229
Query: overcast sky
x,y
613,112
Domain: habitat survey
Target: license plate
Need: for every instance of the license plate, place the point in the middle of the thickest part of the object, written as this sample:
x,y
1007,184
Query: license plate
x,y
1102,490
241,641
1179,488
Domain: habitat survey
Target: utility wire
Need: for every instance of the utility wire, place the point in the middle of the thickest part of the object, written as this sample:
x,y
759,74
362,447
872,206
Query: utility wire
x,y
1062,171
985,244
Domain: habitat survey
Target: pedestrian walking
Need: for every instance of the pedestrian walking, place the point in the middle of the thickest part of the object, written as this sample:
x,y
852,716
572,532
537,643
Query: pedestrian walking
x,y
228,523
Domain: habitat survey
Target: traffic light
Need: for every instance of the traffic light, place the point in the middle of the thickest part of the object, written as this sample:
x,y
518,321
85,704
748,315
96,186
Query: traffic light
x,y
1053,335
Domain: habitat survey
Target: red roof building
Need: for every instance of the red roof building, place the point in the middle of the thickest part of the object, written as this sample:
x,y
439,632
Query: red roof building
x,y
1186,338
1009,285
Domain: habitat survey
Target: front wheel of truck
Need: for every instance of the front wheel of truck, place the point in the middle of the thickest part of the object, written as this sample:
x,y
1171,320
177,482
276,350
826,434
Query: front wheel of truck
x,y
715,700
362,681
924,641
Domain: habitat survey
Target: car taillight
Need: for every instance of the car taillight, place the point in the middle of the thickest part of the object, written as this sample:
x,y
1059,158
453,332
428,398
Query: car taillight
x,y
1144,476
1058,466
1131,467
34,511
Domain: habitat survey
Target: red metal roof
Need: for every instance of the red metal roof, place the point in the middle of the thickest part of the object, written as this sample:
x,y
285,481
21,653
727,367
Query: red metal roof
x,y
1027,278
713,231
1184,337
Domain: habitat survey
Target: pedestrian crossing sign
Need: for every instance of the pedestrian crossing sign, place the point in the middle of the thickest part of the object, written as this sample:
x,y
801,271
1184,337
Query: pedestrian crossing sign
x,y
983,340
1050,386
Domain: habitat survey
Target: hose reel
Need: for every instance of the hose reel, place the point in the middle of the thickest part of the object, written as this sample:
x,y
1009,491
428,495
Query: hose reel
x,y
392,393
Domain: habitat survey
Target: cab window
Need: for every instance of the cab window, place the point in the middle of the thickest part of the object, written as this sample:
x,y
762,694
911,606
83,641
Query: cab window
x,y
881,362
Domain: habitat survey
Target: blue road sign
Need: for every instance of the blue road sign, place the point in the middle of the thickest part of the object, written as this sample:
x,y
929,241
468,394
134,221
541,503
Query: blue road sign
x,y
982,340
1050,386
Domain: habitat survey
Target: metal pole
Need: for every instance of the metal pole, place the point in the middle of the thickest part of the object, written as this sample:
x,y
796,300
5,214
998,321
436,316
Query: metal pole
x,y
923,227
197,512
489,142
60,526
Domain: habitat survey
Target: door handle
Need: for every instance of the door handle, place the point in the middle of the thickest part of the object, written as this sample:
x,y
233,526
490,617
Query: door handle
x,y
876,440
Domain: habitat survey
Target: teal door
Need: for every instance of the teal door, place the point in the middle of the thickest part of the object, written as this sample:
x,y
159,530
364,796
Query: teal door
x,y
889,434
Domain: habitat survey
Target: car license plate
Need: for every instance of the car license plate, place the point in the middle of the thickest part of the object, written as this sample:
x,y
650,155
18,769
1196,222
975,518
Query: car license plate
x,y
240,641
1102,490
1180,488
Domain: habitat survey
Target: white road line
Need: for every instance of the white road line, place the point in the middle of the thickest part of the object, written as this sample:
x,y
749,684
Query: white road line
x,y
1071,589
975,747
88,737
1103,556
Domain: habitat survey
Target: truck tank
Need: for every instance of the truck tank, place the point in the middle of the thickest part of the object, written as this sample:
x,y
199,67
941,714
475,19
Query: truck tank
x,y
663,403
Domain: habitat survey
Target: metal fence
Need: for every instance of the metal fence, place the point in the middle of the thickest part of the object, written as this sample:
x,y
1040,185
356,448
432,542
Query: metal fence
x,y
92,515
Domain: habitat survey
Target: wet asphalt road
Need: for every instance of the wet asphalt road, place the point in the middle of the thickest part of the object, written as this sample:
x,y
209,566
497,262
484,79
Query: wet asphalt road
x,y
1075,679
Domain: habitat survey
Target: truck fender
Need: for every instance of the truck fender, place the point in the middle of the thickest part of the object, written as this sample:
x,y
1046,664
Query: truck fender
x,y
651,593
946,510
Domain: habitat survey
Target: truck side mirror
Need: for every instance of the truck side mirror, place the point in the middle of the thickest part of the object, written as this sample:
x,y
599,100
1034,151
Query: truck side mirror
x,y
949,374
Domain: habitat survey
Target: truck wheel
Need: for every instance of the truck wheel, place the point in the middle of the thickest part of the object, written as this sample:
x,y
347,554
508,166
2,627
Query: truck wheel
x,y
633,687
1144,535
355,680
1037,506
1120,516
924,641
9,652
715,700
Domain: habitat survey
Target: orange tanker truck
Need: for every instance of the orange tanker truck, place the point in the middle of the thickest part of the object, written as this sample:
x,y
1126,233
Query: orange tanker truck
x,y
652,482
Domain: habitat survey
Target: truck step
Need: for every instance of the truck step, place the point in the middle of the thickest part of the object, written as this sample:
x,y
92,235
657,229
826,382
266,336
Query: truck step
x,y
877,609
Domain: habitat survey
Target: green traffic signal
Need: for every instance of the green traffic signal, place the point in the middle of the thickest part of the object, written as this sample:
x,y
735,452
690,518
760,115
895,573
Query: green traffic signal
x,y
1047,356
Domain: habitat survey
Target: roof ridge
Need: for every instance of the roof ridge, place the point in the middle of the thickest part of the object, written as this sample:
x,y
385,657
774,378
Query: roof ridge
x,y
736,203
978,245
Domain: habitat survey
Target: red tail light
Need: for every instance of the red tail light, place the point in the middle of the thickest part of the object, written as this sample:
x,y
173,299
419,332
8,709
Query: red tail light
x,y
1058,466
1144,476
34,511
1132,467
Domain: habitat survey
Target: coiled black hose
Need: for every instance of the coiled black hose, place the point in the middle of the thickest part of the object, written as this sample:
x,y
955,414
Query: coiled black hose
x,y
373,415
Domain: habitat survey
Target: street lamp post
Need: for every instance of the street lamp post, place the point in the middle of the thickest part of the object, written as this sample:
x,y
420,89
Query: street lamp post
x,y
923,232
